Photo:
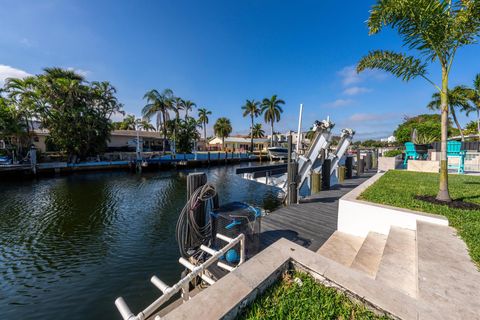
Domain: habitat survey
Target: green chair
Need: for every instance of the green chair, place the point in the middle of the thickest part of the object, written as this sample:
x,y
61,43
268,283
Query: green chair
x,y
410,152
454,150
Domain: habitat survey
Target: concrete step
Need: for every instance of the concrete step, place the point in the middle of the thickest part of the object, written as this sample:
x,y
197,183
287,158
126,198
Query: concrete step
x,y
370,254
446,273
341,247
398,266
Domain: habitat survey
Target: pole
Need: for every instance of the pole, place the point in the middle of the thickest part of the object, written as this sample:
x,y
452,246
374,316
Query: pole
x,y
299,132
289,167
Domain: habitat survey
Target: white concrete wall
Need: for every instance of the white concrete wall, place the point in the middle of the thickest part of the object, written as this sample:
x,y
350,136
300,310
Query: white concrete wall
x,y
357,217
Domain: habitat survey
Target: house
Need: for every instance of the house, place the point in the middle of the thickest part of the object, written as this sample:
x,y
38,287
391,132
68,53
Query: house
x,y
120,140
238,144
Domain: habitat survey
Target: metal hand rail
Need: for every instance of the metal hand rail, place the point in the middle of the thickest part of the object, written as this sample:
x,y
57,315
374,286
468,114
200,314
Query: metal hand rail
x,y
183,284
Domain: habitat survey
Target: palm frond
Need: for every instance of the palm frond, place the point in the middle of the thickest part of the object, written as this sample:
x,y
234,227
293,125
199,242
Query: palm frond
x,y
398,64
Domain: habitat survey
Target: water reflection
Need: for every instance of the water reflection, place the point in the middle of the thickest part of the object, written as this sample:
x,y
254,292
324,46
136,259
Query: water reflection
x,y
70,245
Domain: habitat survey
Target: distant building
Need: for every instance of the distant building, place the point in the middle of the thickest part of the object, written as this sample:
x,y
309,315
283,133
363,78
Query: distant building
x,y
239,144
120,140
390,139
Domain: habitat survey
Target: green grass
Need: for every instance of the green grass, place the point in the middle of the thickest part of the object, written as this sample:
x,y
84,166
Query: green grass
x,y
287,299
398,188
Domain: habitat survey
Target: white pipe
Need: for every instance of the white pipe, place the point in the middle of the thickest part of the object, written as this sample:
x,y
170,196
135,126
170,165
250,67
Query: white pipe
x,y
225,266
192,267
124,309
208,250
299,132
159,284
197,270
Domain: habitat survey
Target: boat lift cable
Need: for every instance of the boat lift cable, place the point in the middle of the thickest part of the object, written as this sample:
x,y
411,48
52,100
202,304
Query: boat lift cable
x,y
190,235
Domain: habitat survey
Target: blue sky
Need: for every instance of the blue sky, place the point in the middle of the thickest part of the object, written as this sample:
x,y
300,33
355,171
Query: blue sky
x,y
219,53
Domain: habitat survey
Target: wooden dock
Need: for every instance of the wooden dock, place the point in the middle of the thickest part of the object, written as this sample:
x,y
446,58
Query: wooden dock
x,y
311,222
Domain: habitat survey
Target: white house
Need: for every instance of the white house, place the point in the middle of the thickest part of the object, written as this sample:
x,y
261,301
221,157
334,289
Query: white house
x,y
238,144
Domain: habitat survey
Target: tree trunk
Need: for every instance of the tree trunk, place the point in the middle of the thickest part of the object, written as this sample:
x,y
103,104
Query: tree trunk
x,y
251,136
164,129
271,142
443,194
223,143
454,116
478,122
205,134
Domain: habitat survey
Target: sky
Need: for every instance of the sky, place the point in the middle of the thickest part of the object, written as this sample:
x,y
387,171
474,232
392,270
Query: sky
x,y
220,53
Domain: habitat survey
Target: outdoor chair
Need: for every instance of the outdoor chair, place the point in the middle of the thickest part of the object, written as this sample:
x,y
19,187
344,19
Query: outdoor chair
x,y
454,150
410,152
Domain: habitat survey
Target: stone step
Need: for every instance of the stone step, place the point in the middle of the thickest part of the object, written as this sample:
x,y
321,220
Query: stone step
x,y
398,266
370,254
341,247
446,273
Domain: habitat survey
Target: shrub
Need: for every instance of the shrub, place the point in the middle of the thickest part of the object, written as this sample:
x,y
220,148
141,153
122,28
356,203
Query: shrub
x,y
392,153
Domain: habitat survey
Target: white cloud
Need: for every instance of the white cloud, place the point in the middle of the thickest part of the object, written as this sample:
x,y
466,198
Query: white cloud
x,y
350,76
10,72
27,42
356,90
361,117
81,72
339,103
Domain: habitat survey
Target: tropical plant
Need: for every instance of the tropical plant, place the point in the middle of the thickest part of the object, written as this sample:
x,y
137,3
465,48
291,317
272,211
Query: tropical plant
x,y
187,105
436,29
222,129
474,96
159,104
252,109
145,125
12,127
257,131
458,97
272,110
203,114
423,139
425,124
187,134
128,123
392,153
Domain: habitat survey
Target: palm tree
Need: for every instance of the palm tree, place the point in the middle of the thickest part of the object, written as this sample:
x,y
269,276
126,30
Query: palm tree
x,y
187,106
457,97
203,114
436,29
257,131
222,128
252,109
158,104
128,123
145,125
272,110
474,96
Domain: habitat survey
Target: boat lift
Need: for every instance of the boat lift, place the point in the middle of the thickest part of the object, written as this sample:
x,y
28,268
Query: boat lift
x,y
312,161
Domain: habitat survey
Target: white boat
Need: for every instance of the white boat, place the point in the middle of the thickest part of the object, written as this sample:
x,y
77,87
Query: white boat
x,y
278,153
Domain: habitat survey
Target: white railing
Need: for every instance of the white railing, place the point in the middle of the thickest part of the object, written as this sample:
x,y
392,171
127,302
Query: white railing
x,y
183,284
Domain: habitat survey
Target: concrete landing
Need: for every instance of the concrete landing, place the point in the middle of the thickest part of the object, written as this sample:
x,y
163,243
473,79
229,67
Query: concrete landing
x,y
341,247
370,254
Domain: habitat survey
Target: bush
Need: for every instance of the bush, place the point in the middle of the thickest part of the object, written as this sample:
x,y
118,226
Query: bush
x,y
392,153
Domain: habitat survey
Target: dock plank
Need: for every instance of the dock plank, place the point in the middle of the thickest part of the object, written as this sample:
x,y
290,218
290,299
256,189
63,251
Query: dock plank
x,y
311,222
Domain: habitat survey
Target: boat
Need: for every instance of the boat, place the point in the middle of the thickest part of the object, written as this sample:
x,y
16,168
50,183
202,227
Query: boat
x,y
278,153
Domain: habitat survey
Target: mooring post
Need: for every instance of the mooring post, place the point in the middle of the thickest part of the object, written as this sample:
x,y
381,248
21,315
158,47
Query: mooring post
x,y
359,164
326,168
349,167
33,159
208,154
195,181
292,184
289,167
316,182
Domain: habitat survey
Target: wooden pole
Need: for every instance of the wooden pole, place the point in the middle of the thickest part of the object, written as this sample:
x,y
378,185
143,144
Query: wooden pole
x,y
316,182
289,167
358,162
292,186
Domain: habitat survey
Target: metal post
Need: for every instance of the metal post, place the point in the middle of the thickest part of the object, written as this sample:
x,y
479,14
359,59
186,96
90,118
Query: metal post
x,y
299,132
326,169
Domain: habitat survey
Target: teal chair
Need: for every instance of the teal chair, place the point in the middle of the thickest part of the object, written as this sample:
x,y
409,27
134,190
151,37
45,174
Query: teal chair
x,y
454,150
410,152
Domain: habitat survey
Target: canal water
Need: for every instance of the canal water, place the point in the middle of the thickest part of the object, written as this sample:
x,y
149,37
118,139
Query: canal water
x,y
70,245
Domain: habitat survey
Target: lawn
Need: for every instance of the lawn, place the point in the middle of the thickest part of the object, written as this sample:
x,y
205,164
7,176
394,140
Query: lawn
x,y
398,188
299,296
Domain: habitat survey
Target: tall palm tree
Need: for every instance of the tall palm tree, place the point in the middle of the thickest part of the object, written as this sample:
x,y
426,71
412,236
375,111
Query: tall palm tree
x,y
257,131
436,29
271,110
222,128
158,104
188,106
457,98
203,114
252,109
474,96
